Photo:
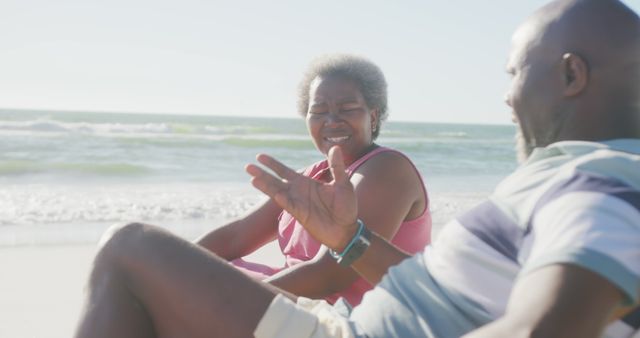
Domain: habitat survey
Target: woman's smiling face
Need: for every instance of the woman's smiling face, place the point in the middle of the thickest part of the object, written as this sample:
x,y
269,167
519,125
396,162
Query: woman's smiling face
x,y
338,115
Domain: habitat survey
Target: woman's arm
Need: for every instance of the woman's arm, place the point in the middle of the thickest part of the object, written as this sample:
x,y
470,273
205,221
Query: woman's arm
x,y
244,235
388,191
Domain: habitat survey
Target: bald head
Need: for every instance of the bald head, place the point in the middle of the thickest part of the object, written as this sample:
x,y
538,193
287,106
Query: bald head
x,y
580,67
606,33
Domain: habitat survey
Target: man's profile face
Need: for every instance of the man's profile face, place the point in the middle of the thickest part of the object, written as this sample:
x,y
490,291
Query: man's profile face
x,y
531,94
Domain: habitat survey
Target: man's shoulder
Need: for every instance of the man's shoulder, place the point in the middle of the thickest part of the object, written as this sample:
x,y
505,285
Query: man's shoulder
x,y
614,163
617,159
569,167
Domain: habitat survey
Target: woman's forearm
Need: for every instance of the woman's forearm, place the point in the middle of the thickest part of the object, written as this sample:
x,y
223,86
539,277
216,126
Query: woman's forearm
x,y
244,235
314,279
219,241
377,259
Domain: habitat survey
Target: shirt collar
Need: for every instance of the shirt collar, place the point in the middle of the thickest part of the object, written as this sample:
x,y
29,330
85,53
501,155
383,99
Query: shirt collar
x,y
577,148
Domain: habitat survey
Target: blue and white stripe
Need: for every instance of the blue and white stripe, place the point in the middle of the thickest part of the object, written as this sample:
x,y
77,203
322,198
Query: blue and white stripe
x,y
573,202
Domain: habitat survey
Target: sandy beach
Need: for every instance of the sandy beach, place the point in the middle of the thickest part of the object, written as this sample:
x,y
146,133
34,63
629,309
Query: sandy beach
x,y
41,287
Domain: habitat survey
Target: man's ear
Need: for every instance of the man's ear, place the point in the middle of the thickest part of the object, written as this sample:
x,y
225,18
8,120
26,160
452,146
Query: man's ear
x,y
576,74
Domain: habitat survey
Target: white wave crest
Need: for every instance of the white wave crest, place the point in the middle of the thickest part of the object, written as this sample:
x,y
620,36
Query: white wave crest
x,y
53,126
49,204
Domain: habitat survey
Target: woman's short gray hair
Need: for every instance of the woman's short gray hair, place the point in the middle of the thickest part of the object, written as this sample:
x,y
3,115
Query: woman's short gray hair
x,y
363,72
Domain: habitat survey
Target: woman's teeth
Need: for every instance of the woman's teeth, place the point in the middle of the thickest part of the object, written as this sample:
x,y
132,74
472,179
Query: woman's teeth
x,y
337,139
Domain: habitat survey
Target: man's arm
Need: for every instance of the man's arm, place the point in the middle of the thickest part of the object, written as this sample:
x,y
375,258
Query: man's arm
x,y
558,300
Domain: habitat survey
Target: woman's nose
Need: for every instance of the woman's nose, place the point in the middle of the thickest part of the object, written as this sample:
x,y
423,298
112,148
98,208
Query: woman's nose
x,y
333,117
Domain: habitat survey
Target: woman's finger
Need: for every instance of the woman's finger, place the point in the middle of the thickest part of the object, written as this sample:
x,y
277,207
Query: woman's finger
x,y
264,181
277,167
336,163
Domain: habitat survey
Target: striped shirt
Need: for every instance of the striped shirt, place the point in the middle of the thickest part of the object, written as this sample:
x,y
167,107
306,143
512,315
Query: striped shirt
x,y
570,203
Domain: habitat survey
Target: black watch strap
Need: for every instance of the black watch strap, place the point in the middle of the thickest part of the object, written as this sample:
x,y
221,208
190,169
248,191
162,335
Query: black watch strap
x,y
362,242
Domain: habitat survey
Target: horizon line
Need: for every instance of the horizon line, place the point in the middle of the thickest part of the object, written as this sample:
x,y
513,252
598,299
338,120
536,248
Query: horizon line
x,y
97,111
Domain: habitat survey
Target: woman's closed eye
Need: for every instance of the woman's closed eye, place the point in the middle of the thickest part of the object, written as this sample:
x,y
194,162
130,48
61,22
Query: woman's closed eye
x,y
348,108
318,109
318,112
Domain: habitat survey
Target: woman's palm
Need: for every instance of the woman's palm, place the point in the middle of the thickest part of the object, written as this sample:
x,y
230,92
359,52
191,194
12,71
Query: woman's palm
x,y
328,210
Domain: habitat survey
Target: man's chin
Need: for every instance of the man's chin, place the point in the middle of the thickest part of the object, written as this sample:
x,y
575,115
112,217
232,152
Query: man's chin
x,y
523,148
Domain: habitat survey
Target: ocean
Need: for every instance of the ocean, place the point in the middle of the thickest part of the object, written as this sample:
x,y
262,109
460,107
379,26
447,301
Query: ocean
x,y
66,176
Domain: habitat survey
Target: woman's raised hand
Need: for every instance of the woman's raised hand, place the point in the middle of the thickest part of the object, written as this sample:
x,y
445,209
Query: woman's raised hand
x,y
327,210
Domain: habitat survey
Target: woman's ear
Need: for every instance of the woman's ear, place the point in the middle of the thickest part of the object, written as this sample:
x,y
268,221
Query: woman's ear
x,y
374,119
576,74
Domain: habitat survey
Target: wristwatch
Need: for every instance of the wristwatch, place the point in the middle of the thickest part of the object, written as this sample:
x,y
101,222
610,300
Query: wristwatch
x,y
356,247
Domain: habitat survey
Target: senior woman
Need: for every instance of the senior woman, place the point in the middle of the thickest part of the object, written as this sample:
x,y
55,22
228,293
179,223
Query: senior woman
x,y
146,282
344,101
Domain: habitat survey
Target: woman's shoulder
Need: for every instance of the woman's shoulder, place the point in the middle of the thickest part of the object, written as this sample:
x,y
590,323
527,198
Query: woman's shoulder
x,y
387,161
389,172
389,178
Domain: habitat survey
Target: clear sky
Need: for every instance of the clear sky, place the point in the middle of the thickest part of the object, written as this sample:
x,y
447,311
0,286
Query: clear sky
x,y
444,60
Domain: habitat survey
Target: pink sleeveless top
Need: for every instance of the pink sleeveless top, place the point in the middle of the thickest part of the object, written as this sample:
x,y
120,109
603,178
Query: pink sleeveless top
x,y
297,245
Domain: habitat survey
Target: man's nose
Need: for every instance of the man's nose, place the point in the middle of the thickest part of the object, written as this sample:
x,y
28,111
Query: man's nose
x,y
507,99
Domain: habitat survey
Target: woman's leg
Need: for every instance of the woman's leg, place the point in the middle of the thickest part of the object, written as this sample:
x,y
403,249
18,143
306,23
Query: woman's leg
x,y
256,271
147,282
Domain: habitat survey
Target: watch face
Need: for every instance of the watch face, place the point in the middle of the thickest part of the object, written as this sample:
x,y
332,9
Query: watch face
x,y
358,248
